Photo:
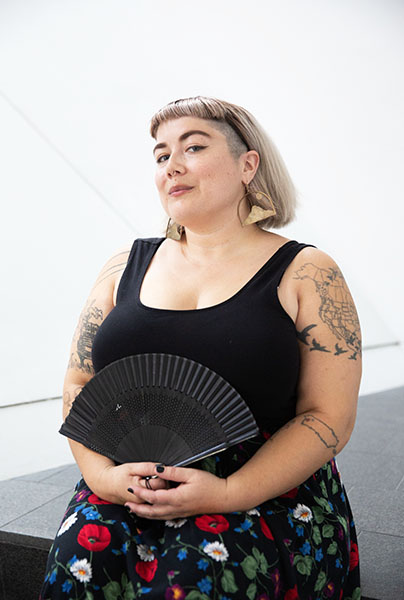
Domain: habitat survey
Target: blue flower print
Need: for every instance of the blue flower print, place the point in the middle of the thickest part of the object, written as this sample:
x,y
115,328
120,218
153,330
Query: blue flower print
x,y
124,548
71,561
52,577
67,586
202,564
305,549
342,496
300,530
205,585
338,564
290,521
319,555
125,526
145,590
182,554
203,543
246,524
91,514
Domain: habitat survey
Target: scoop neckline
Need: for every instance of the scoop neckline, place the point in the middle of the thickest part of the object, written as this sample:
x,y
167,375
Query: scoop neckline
x,y
205,308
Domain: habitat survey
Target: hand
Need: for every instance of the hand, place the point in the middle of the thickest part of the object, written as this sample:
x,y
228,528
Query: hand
x,y
114,482
198,492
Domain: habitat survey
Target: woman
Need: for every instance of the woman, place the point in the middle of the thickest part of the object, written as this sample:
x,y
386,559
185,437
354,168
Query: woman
x,y
268,518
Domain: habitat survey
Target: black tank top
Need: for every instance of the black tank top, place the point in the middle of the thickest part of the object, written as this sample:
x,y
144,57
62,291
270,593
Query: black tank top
x,y
248,339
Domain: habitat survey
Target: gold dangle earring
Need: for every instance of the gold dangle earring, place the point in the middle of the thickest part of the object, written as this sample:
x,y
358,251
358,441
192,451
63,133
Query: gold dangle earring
x,y
257,212
174,231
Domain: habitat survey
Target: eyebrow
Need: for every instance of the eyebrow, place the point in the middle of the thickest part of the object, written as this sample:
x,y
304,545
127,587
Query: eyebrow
x,y
182,137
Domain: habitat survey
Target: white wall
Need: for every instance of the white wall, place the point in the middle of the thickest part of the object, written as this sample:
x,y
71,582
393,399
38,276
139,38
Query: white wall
x,y
79,82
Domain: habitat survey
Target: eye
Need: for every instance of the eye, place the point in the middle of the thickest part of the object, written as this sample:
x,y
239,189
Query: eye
x,y
193,146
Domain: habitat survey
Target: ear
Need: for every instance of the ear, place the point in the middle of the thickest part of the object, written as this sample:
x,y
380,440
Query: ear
x,y
250,162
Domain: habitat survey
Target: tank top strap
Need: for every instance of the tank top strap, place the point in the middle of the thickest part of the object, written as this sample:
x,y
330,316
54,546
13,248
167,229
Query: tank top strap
x,y
277,265
138,260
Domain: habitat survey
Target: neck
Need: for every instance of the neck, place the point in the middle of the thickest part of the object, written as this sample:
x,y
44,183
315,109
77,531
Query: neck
x,y
225,242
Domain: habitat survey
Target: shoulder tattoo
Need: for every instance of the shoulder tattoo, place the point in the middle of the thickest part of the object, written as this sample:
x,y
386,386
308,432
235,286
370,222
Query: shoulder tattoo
x,y
337,311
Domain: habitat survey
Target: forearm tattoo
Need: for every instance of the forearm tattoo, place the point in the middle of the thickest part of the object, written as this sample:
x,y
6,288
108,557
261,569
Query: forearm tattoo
x,y
89,322
69,398
324,432
336,310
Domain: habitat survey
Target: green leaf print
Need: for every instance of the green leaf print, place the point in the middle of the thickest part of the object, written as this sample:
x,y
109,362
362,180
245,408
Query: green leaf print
x,y
196,595
328,531
263,564
316,535
329,471
256,554
303,564
251,591
323,503
323,489
342,520
89,596
112,590
334,487
321,581
318,514
332,548
249,566
357,594
261,560
228,582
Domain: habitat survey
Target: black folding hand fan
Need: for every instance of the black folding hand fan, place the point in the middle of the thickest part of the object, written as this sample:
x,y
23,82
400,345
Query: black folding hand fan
x,y
158,407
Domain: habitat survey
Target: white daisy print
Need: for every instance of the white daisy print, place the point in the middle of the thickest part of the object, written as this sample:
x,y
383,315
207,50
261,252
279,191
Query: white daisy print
x,y
303,513
176,523
67,523
81,569
217,550
145,552
253,511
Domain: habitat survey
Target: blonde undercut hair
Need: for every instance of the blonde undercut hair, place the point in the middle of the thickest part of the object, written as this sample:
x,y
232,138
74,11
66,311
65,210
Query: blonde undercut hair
x,y
243,133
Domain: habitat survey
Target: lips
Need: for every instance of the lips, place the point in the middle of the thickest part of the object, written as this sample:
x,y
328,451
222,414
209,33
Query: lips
x,y
178,188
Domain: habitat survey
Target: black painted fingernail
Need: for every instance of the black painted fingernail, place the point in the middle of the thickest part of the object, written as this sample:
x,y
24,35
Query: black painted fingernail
x,y
128,509
160,468
131,491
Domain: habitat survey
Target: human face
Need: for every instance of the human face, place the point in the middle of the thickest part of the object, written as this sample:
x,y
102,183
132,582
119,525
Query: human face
x,y
203,162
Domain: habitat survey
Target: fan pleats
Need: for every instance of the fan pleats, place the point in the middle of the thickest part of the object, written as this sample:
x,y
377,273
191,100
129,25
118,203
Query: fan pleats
x,y
160,408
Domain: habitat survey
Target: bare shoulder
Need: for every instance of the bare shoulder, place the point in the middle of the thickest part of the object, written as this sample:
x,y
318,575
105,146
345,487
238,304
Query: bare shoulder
x,y
111,272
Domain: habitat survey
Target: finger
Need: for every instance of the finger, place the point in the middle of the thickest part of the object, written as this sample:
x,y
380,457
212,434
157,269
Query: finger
x,y
151,512
163,496
180,474
141,468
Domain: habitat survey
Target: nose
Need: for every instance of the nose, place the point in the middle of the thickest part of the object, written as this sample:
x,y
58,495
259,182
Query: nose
x,y
173,165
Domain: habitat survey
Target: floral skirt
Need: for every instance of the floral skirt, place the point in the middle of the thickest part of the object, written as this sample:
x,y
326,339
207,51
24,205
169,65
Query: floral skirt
x,y
301,545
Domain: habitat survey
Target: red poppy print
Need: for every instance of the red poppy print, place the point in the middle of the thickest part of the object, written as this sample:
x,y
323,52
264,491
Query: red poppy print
x,y
353,557
93,499
292,594
146,570
94,537
290,493
212,523
265,529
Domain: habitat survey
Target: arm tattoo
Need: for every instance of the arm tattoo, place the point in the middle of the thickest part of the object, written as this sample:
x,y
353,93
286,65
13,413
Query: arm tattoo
x,y
336,310
86,330
322,430
69,398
